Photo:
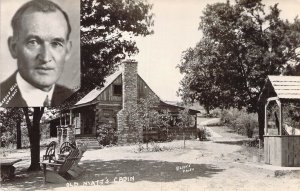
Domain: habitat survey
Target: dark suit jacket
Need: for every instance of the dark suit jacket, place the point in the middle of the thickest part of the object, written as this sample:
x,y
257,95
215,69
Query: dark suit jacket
x,y
10,95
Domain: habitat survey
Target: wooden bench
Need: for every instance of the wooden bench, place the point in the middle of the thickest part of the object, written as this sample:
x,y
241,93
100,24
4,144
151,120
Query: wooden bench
x,y
60,172
7,168
65,149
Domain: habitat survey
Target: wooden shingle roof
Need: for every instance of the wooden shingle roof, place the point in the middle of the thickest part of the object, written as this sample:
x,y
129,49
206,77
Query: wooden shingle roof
x,y
286,87
92,95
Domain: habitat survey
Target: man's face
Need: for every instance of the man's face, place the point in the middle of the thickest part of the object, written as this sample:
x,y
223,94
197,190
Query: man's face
x,y
41,47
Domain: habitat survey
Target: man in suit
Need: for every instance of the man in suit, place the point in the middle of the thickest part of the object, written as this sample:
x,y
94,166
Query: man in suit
x,y
40,44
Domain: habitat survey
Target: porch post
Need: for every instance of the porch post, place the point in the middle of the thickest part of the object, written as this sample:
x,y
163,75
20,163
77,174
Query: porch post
x,y
70,117
280,116
65,116
266,118
60,120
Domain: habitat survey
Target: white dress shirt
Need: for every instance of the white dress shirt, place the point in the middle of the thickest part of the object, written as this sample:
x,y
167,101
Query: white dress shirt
x,y
33,96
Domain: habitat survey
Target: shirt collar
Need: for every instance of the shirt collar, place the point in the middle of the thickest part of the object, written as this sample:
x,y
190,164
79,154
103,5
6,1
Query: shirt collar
x,y
33,96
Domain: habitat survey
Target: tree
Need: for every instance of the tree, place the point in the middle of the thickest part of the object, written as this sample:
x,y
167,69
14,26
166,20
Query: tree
x,y
185,121
15,115
33,127
147,115
11,119
107,31
241,45
151,118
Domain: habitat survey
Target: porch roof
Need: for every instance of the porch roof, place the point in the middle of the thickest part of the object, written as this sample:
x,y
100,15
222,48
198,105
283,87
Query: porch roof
x,y
170,104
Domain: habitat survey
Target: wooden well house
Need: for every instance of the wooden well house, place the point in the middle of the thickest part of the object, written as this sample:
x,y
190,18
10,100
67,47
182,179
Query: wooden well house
x,y
281,140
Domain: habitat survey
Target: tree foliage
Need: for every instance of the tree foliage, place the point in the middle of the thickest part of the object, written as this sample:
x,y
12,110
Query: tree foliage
x,y
151,117
108,28
10,122
242,43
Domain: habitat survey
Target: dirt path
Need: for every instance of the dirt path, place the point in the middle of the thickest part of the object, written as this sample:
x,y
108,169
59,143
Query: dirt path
x,y
220,164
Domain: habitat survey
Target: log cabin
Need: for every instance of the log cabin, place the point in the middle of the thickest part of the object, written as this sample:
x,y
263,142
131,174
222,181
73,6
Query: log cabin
x,y
113,106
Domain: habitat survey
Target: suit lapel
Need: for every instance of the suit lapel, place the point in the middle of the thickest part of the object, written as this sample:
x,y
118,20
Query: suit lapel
x,y
10,93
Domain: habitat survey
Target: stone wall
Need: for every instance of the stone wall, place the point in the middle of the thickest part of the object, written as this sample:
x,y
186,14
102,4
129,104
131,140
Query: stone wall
x,y
128,130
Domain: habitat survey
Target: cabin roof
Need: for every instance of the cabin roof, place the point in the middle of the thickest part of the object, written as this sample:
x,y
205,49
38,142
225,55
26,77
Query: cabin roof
x,y
92,95
90,98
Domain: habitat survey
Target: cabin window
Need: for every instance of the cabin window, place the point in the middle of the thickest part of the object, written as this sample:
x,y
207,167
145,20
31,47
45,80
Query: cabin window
x,y
117,90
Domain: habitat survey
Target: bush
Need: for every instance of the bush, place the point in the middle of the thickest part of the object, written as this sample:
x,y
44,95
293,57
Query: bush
x,y
106,134
291,114
155,147
140,147
252,142
240,121
216,113
203,134
7,139
213,113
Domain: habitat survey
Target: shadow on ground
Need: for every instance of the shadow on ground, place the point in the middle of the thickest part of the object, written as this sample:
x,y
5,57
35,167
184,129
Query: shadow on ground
x,y
108,172
237,142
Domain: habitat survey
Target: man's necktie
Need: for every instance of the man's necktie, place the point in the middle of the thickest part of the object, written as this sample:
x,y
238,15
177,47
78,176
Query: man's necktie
x,y
46,102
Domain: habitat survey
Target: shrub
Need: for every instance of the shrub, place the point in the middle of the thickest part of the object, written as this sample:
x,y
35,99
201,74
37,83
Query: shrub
x,y
240,121
106,134
7,139
203,134
155,147
216,112
252,143
291,114
140,147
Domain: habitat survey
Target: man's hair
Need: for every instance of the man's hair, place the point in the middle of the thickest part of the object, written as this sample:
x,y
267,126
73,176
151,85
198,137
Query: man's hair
x,y
44,6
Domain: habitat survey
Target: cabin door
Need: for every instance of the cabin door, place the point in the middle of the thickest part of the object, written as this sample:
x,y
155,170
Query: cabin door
x,y
87,122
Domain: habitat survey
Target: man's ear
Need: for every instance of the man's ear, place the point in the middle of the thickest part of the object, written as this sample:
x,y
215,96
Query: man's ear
x,y
12,44
68,51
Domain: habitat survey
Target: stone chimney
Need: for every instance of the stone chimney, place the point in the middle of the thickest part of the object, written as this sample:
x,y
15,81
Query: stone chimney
x,y
129,78
128,130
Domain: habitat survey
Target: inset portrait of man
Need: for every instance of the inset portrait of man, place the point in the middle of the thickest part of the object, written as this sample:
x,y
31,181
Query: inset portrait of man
x,y
41,46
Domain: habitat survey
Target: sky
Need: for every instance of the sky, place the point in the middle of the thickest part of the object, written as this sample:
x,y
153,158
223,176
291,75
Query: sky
x,y
175,30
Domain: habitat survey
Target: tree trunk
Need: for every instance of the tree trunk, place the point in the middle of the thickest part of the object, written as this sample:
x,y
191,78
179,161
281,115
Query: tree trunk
x,y
19,134
261,120
207,109
147,141
183,138
34,136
